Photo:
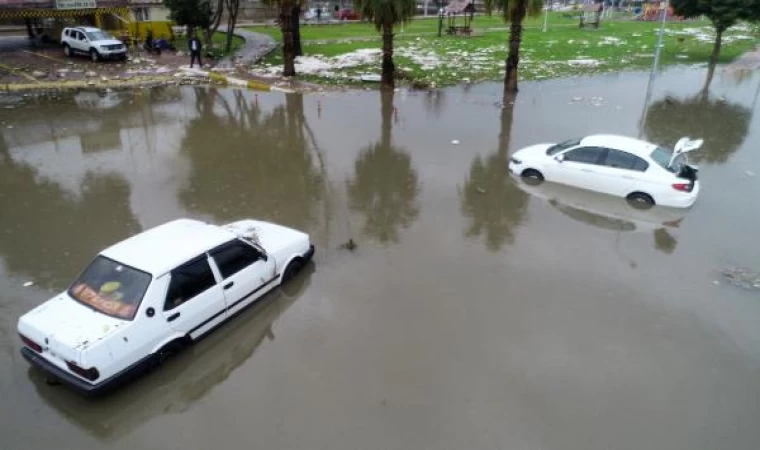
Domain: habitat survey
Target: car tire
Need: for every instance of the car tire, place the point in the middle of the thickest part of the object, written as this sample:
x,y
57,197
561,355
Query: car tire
x,y
94,55
169,350
532,176
293,268
640,200
67,50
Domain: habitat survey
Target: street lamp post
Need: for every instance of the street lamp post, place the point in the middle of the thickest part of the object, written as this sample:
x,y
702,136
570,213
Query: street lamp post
x,y
546,14
655,63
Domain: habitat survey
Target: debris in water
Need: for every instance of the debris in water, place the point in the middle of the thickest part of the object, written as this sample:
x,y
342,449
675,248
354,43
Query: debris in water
x,y
349,245
29,283
454,142
742,277
749,173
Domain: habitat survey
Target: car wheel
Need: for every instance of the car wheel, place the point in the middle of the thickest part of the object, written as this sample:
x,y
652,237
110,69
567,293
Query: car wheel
x,y
169,350
293,268
66,50
94,55
532,176
640,200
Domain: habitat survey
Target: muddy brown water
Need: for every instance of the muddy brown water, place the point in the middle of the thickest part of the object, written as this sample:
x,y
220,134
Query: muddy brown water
x,y
475,313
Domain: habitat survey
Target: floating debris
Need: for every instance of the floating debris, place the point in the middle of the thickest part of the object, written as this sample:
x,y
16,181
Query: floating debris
x,y
29,283
349,245
742,277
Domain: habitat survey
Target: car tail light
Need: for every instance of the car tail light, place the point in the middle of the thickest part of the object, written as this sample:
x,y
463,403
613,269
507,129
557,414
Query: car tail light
x,y
31,344
683,187
91,374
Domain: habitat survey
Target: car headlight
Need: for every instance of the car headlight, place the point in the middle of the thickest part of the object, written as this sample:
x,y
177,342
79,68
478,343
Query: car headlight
x,y
515,160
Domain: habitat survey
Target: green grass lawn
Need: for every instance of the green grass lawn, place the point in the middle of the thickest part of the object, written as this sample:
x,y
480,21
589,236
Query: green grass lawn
x,y
563,50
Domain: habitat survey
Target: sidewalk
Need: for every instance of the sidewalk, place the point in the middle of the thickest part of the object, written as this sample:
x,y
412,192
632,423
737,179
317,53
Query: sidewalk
x,y
257,45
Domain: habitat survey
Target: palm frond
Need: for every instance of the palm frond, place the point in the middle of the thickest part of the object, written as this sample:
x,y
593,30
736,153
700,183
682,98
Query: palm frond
x,y
381,12
508,8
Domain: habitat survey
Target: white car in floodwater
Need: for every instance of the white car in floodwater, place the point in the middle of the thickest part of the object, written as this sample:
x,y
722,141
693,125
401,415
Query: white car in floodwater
x,y
621,166
144,298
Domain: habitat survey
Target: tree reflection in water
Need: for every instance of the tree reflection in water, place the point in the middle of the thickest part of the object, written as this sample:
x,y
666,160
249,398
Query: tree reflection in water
x,y
385,185
490,199
48,235
722,125
249,164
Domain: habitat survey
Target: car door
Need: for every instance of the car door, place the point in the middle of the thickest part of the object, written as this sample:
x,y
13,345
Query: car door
x,y
194,301
580,167
619,172
81,42
246,272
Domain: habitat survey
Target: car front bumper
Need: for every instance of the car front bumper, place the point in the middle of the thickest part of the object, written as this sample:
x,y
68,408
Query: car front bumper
x,y
113,54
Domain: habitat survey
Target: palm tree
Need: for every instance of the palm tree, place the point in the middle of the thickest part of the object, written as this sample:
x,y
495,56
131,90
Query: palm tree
x,y
289,13
513,11
386,14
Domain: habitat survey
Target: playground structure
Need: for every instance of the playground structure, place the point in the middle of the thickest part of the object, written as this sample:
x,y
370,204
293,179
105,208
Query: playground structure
x,y
464,9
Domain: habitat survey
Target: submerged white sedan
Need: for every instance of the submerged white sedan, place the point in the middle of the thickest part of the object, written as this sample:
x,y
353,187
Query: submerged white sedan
x,y
144,298
642,172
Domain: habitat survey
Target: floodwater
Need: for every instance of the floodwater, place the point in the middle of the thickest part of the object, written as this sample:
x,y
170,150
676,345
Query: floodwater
x,y
476,312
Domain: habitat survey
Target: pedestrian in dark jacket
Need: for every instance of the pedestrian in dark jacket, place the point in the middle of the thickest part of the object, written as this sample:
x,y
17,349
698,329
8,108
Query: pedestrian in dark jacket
x,y
195,46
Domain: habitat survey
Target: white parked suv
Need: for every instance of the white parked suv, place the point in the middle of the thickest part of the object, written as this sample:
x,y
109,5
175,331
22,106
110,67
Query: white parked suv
x,y
93,42
146,297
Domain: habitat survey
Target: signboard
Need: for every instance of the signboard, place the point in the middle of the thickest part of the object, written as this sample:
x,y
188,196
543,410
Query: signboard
x,y
75,4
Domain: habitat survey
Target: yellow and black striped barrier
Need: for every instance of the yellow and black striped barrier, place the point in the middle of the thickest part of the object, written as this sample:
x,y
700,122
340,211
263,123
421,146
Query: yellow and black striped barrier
x,y
54,13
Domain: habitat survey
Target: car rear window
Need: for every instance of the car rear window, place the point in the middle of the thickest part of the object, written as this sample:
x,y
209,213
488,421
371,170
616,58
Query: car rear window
x,y
662,158
110,287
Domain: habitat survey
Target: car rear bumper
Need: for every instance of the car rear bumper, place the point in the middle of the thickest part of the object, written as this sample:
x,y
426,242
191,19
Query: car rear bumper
x,y
682,199
79,385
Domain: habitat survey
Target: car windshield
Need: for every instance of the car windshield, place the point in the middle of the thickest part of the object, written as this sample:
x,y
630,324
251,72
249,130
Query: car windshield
x,y
111,288
563,146
98,36
662,157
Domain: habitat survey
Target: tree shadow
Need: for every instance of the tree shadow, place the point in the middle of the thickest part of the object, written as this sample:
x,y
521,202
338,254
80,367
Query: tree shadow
x,y
385,185
249,164
721,124
490,198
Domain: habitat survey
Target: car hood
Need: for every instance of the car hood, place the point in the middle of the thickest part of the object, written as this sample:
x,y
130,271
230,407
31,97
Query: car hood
x,y
532,151
65,327
108,42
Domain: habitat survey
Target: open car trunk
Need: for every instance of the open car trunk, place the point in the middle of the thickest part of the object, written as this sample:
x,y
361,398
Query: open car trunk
x,y
679,164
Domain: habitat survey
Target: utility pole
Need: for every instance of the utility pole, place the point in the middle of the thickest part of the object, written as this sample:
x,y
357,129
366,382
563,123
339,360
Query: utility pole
x,y
655,63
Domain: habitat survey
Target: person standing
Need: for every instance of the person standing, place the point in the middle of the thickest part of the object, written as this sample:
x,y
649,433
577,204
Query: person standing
x,y
195,46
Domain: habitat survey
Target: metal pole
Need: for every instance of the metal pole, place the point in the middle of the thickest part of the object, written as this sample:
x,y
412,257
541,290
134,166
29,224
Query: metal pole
x,y
655,63
546,14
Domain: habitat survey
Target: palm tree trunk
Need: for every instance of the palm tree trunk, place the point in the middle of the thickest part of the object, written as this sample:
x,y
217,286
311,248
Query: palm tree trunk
x,y
389,69
507,117
288,44
713,59
515,36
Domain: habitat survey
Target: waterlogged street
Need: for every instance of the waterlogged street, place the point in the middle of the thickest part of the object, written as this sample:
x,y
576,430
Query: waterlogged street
x,y
476,312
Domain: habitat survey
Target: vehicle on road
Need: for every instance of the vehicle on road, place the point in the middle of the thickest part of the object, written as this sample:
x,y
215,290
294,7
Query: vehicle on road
x,y
143,299
347,14
639,171
94,42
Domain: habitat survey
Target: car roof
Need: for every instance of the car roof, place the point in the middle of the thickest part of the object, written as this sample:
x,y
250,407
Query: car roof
x,y
630,145
85,29
161,249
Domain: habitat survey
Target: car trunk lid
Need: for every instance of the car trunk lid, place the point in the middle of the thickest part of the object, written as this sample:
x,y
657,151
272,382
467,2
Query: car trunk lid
x,y
64,328
679,162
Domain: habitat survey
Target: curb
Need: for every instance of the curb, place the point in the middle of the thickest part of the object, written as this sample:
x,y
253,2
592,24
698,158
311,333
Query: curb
x,y
249,84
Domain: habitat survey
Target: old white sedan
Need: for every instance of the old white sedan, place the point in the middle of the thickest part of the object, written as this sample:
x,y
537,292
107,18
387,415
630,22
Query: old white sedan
x,y
637,170
144,298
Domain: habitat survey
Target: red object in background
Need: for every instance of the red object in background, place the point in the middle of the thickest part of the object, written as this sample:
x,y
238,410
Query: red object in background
x,y
347,14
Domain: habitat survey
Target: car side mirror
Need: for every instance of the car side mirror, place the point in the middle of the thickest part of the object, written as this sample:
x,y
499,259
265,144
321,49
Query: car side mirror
x,y
560,157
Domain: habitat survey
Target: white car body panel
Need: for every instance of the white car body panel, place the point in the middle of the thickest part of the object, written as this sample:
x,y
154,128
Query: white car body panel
x,y
68,330
655,181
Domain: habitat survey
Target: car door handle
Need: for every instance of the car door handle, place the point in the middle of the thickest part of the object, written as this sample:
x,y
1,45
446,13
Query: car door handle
x,y
229,285
172,317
